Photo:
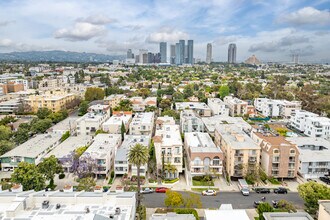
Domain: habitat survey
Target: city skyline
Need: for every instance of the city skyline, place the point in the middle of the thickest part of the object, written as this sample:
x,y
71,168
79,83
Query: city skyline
x,y
271,30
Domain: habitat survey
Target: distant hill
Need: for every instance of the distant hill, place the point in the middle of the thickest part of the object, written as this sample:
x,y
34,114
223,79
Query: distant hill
x,y
57,56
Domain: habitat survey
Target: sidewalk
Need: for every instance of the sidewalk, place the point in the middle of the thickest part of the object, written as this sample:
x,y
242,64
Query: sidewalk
x,y
223,185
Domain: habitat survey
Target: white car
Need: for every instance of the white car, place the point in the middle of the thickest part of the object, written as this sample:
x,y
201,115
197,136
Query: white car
x,y
245,191
209,192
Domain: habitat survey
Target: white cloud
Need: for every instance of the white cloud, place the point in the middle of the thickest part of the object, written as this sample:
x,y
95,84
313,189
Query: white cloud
x,y
81,31
166,34
6,43
307,16
97,19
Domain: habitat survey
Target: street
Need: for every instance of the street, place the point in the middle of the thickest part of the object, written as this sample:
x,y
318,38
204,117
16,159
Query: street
x,y
235,198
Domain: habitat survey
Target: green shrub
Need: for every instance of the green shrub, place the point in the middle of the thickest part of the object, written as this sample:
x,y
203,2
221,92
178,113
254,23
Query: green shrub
x,y
61,176
273,181
171,180
65,136
152,180
187,211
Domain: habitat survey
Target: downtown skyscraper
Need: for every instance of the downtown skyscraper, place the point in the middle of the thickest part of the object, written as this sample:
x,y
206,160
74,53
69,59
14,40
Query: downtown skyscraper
x,y
190,52
172,54
232,53
163,52
209,53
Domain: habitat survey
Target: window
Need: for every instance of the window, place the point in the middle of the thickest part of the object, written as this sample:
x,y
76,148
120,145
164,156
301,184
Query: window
x,y
276,151
292,151
177,160
197,161
216,161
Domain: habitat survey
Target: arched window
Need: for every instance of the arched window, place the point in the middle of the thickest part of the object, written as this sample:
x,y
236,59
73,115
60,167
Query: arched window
x,y
216,161
292,151
207,163
197,161
276,151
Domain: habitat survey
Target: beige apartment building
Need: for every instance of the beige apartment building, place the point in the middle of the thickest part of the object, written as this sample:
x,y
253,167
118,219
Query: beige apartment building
x,y
114,100
53,100
279,157
236,106
241,153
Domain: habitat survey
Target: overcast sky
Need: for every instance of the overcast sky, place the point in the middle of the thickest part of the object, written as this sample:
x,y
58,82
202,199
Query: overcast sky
x,y
270,29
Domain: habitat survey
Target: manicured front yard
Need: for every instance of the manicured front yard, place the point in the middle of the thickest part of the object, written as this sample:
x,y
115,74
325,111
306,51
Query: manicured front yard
x,y
203,183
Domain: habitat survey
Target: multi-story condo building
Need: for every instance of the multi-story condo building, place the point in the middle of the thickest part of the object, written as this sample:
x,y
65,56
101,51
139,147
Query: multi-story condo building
x,y
276,108
142,124
232,53
211,122
236,106
199,107
139,104
31,151
48,84
208,53
14,80
53,100
241,153
68,204
114,100
164,120
218,107
168,149
114,123
314,156
11,87
103,151
279,157
9,107
202,154
190,121
311,124
93,120
122,165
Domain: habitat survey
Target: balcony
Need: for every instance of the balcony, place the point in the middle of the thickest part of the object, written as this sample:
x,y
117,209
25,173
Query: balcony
x,y
239,155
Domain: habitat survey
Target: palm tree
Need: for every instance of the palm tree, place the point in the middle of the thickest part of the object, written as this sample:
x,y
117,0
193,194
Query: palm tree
x,y
138,156
170,168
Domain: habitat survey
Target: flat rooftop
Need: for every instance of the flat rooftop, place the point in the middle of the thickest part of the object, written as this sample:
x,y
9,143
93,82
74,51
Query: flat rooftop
x,y
129,141
200,143
67,124
143,118
235,137
118,119
69,145
226,214
34,146
287,216
102,145
170,135
191,105
211,122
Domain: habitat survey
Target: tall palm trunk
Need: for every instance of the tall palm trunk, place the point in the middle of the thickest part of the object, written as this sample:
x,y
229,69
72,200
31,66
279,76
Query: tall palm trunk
x,y
139,186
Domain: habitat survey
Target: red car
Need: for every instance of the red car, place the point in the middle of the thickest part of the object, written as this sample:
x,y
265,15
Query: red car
x,y
161,189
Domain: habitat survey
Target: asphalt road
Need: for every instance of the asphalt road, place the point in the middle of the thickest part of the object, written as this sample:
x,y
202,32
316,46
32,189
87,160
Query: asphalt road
x,y
235,198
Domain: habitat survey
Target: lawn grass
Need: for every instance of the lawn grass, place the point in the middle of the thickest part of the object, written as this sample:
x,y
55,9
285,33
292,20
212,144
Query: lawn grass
x,y
202,189
202,183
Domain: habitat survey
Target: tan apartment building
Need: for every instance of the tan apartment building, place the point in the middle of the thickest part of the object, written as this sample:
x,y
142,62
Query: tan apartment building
x,y
114,100
279,157
236,106
241,153
202,154
11,87
53,100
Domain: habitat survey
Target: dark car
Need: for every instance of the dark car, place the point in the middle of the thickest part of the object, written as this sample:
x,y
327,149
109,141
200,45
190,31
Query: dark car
x,y
311,180
161,189
281,190
262,190
325,179
256,203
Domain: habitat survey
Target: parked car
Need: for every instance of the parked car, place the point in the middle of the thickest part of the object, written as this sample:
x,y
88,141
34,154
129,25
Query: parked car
x,y
262,190
311,180
256,203
245,191
161,189
325,179
209,192
147,191
281,190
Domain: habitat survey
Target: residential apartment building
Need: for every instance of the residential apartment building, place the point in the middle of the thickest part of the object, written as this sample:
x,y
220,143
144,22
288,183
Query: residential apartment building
x,y
9,107
11,87
114,123
114,100
103,151
139,104
16,204
276,108
93,120
31,151
202,154
279,157
53,100
324,210
200,108
122,165
211,122
218,107
164,120
311,124
190,121
15,81
314,156
168,148
236,106
241,153
142,124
